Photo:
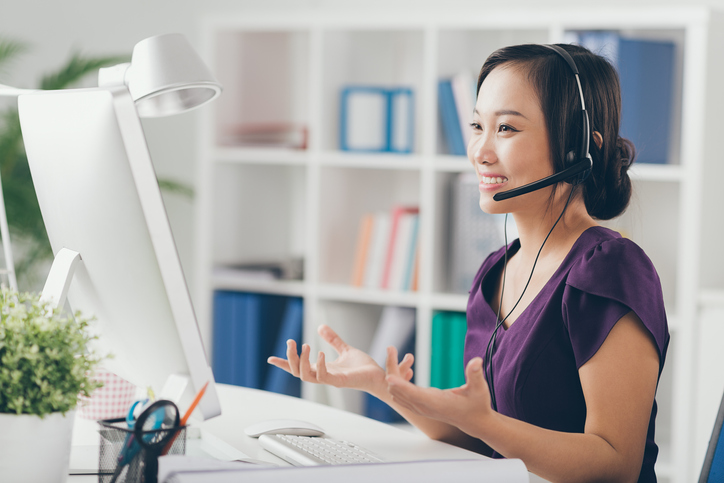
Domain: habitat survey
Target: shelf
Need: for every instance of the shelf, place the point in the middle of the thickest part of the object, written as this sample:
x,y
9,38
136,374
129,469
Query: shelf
x,y
239,282
270,155
264,204
453,302
371,160
656,172
345,293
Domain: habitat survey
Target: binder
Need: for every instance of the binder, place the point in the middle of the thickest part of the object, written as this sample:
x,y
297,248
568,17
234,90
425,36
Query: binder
x,y
245,328
376,119
449,118
646,73
278,380
448,346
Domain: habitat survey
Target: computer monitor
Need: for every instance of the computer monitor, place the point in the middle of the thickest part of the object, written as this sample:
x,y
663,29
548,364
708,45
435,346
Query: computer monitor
x,y
99,196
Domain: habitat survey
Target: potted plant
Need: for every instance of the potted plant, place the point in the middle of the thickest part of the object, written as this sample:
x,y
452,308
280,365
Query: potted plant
x,y
46,366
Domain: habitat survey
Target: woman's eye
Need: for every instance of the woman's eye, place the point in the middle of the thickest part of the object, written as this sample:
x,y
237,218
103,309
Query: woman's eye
x,y
476,126
506,128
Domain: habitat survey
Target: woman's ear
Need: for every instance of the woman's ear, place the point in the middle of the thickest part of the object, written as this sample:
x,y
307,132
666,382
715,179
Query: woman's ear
x,y
598,139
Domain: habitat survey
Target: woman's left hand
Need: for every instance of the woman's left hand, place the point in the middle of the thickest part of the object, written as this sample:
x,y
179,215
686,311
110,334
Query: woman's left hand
x,y
458,406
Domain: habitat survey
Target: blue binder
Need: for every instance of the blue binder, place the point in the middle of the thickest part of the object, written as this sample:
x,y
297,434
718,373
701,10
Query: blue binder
x,y
278,380
646,72
390,129
245,328
449,118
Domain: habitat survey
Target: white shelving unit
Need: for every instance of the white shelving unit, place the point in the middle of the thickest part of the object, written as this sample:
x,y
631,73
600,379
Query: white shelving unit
x,y
266,204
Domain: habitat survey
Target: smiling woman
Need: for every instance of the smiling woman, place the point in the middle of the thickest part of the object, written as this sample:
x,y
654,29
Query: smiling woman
x,y
557,318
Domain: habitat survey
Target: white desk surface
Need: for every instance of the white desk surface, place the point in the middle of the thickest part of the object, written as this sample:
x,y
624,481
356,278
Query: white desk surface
x,y
242,407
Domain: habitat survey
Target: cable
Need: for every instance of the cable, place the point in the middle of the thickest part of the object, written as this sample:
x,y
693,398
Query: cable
x,y
490,349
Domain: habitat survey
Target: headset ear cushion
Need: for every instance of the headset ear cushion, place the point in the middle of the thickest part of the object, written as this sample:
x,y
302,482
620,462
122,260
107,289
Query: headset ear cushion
x,y
570,158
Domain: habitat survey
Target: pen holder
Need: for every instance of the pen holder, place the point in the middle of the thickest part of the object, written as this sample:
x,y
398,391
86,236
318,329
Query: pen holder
x,y
143,465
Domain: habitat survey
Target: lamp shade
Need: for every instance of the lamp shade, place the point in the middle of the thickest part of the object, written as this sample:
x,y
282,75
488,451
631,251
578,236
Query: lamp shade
x,y
166,76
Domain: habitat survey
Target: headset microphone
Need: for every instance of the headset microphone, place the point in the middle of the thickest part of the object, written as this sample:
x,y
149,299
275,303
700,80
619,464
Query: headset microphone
x,y
582,167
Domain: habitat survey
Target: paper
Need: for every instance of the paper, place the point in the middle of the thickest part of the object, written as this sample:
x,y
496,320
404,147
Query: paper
x,y
171,465
459,471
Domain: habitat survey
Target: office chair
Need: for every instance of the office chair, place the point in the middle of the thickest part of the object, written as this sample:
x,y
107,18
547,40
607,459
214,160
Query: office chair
x,y
713,469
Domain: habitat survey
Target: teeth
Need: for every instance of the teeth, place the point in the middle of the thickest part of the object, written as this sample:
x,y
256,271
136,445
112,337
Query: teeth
x,y
491,180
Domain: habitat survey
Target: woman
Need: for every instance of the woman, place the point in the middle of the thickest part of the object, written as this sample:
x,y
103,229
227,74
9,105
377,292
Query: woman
x,y
567,333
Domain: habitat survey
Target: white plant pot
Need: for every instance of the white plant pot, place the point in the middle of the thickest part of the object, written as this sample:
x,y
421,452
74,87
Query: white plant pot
x,y
34,449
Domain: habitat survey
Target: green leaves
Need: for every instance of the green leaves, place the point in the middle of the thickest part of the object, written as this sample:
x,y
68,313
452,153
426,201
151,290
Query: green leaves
x,y
46,364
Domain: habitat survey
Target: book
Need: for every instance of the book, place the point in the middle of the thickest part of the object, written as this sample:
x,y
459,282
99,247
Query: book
x,y
412,257
449,118
270,135
393,250
362,248
377,250
463,86
402,249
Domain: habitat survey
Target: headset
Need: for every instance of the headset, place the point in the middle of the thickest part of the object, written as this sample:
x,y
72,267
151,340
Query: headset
x,y
580,168
580,162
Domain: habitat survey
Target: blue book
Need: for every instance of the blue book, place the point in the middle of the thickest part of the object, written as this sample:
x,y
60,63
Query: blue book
x,y
449,118
278,380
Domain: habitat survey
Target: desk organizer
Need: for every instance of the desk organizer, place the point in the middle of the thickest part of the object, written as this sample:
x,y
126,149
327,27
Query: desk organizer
x,y
143,467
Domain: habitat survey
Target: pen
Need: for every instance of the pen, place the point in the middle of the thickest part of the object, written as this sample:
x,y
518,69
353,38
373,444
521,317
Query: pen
x,y
186,416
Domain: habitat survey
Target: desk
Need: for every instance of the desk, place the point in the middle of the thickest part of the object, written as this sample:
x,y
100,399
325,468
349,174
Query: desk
x,y
242,407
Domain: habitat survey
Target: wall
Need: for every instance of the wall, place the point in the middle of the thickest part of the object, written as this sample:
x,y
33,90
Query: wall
x,y
54,29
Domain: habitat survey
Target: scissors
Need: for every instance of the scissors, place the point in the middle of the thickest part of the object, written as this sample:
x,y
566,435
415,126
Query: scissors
x,y
152,416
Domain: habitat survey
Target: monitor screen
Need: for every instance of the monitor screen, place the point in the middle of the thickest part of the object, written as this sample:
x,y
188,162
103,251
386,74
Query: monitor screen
x,y
99,196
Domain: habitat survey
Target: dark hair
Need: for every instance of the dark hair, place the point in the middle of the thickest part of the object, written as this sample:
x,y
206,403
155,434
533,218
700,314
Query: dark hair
x,y
607,191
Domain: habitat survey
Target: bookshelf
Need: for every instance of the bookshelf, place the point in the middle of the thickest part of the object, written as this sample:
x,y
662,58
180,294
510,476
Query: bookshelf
x,y
271,203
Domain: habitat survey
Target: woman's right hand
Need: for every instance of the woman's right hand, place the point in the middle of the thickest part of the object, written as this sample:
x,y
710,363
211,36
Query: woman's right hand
x,y
352,368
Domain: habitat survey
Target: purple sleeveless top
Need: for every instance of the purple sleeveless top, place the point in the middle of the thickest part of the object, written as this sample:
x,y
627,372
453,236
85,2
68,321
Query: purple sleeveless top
x,y
536,361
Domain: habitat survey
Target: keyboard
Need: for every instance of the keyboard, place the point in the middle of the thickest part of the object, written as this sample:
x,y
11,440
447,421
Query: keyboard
x,y
315,450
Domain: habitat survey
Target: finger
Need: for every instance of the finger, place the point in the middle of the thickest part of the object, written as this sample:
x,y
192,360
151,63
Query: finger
x,y
408,375
280,363
332,338
406,363
391,365
305,368
474,374
292,357
321,368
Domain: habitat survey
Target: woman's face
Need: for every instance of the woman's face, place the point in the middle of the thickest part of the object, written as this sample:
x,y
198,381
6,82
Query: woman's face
x,y
509,145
